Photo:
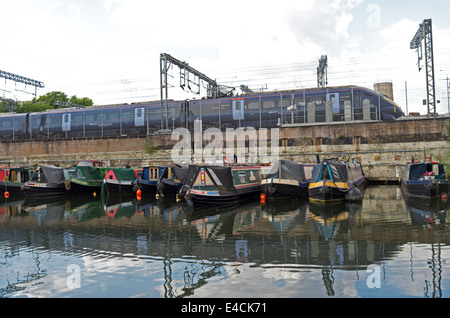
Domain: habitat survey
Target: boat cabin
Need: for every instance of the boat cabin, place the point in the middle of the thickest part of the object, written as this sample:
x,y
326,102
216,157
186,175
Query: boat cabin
x,y
424,171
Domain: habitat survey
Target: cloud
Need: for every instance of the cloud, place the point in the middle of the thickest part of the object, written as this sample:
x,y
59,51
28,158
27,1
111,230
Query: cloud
x,y
325,24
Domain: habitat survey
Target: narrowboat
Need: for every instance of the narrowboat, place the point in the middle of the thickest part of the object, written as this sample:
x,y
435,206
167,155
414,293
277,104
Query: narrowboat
x,y
424,179
215,185
186,175
334,180
174,178
149,180
14,179
119,180
287,179
47,180
86,180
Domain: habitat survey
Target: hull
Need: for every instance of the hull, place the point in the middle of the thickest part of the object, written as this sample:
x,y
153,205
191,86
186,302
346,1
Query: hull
x,y
328,191
281,189
11,187
145,186
117,186
83,188
219,198
32,189
426,189
168,186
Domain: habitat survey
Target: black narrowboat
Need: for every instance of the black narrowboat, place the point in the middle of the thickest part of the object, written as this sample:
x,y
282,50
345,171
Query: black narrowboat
x,y
424,179
287,179
217,185
47,180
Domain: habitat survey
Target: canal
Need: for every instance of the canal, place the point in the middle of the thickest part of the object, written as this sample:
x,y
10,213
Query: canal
x,y
112,247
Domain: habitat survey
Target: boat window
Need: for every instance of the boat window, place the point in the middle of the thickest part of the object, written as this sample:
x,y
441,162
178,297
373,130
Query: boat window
x,y
417,172
308,172
325,174
286,173
242,177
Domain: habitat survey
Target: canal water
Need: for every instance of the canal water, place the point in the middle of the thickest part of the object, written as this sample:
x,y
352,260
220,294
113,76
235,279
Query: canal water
x,y
121,247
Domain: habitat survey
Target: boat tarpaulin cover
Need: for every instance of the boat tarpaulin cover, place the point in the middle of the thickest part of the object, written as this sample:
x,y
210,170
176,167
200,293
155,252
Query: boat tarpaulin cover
x,y
338,171
222,177
54,175
186,174
286,169
87,173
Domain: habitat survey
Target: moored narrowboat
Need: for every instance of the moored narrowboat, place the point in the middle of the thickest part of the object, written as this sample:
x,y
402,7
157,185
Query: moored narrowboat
x,y
14,179
424,179
119,180
174,178
149,180
46,180
86,180
215,185
334,180
287,179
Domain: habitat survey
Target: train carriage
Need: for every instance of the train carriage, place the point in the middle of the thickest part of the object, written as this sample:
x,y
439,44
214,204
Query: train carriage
x,y
259,110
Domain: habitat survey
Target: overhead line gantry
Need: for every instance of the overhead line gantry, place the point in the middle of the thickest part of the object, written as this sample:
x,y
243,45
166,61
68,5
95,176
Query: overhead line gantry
x,y
188,76
425,34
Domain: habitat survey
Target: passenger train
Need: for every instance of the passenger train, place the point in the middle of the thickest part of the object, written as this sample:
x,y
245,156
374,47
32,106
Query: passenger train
x,y
263,110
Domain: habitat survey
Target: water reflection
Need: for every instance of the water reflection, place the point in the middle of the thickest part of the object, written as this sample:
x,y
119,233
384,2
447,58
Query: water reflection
x,y
186,251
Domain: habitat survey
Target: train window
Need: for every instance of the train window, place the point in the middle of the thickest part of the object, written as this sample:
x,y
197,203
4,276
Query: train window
x,y
356,99
40,120
127,114
210,107
317,99
7,123
90,117
286,101
252,105
112,115
77,118
19,121
55,120
194,109
268,104
343,98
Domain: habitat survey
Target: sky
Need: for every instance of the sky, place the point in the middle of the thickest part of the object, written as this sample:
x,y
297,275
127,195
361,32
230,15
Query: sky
x,y
109,50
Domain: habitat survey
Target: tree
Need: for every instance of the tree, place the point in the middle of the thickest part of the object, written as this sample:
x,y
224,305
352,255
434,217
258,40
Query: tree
x,y
50,100
31,107
52,97
85,101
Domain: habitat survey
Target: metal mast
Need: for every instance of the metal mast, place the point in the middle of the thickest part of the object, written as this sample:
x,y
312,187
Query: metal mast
x,y
188,76
425,34
322,71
